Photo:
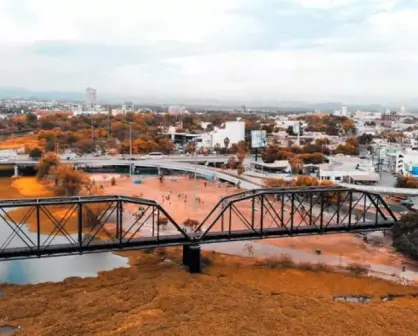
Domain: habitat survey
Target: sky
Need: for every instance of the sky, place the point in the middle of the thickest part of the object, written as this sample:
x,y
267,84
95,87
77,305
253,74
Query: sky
x,y
310,50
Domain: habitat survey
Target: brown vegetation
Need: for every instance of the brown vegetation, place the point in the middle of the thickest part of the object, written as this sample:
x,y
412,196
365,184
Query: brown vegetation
x,y
160,298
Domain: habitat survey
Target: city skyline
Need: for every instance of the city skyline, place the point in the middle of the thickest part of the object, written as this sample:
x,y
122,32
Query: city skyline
x,y
318,50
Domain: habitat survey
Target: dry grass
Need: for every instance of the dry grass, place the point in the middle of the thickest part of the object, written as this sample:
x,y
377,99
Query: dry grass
x,y
357,269
282,261
20,142
231,298
30,187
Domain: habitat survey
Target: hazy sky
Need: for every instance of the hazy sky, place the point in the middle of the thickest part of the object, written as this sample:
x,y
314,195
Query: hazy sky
x,y
225,49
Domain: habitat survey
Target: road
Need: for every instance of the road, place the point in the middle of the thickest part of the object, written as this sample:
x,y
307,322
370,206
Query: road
x,y
381,190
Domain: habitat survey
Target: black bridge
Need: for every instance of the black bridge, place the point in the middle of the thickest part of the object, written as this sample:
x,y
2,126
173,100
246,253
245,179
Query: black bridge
x,y
77,225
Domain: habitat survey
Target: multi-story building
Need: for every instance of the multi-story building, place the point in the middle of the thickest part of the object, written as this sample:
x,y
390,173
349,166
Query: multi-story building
x,y
91,98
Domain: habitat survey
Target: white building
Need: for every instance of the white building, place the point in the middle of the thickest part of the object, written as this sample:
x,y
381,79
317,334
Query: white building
x,y
344,111
91,98
176,110
233,130
352,169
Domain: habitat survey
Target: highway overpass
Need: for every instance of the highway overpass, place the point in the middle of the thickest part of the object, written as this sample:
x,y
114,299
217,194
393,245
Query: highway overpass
x,y
381,190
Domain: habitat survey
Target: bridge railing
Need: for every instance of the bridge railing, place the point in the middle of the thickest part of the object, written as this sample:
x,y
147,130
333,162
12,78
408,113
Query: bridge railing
x,y
289,211
36,227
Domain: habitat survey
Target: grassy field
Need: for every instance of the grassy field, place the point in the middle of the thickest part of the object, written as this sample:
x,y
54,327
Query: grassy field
x,y
233,297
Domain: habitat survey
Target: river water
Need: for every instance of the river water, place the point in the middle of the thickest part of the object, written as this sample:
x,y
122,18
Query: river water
x,y
32,271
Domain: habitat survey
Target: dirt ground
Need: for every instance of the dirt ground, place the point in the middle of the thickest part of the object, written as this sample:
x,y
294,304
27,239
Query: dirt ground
x,y
232,297
344,245
180,208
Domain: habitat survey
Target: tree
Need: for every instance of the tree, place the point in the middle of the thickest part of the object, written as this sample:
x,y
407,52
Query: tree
x,y
226,143
86,146
69,181
191,223
190,148
405,235
290,131
232,162
217,148
407,182
322,141
296,164
35,153
275,183
240,169
44,167
365,139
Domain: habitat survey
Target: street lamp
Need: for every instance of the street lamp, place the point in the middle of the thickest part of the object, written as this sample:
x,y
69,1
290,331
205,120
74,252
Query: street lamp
x,y
195,177
130,148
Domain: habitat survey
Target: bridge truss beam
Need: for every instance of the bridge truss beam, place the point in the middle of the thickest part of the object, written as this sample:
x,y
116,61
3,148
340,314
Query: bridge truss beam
x,y
77,225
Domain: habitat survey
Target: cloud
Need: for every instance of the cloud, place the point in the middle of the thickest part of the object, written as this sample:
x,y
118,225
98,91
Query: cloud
x,y
241,49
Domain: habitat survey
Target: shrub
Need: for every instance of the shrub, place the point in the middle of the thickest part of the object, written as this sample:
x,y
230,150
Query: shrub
x,y
405,235
282,261
163,221
206,261
358,269
161,252
191,223
315,267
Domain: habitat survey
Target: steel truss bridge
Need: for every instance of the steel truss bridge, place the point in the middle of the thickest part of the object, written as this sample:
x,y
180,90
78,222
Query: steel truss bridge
x,y
78,225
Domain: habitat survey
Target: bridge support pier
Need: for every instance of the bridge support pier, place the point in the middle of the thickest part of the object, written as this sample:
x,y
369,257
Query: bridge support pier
x,y
16,171
191,258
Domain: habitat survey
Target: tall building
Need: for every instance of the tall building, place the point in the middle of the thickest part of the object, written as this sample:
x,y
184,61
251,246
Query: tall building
x,y
176,110
344,111
402,111
91,98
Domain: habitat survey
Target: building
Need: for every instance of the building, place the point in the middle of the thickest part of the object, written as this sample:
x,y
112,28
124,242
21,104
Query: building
x,y
91,98
44,113
233,130
348,169
176,110
344,111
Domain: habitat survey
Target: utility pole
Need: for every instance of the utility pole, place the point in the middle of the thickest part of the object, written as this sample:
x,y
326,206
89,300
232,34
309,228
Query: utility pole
x,y
92,129
108,123
195,178
130,149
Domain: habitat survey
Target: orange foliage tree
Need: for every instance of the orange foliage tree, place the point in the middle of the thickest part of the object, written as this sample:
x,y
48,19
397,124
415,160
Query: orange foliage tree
x,y
407,182
69,182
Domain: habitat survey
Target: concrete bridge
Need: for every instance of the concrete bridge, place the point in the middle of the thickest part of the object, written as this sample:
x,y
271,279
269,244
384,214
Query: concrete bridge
x,y
381,190
187,164
181,163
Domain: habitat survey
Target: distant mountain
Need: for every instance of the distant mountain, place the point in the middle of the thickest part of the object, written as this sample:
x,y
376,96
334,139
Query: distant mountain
x,y
284,105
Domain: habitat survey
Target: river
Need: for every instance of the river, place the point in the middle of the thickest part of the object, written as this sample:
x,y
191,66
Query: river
x,y
55,269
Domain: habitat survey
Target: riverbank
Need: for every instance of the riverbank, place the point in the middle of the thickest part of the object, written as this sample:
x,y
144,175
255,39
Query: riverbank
x,y
176,195
234,296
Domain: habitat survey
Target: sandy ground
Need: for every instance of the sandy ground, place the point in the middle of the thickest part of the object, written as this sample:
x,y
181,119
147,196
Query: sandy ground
x,y
232,297
180,190
344,245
